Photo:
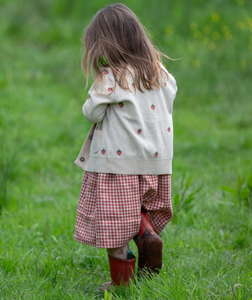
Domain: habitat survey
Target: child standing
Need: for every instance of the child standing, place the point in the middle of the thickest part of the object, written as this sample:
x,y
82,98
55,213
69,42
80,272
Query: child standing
x,y
127,156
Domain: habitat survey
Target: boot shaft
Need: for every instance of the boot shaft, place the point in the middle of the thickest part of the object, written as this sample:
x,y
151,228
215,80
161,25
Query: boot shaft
x,y
145,227
121,270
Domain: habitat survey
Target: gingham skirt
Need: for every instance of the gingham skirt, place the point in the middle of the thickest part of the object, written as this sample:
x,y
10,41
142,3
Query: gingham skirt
x,y
108,214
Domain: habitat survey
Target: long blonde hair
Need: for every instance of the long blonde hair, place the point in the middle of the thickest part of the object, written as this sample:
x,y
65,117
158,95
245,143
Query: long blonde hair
x,y
115,38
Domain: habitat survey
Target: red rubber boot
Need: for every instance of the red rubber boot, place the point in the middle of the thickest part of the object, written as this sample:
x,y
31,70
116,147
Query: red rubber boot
x,y
121,271
149,246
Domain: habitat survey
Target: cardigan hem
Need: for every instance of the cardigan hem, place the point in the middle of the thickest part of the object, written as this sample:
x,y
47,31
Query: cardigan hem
x,y
126,166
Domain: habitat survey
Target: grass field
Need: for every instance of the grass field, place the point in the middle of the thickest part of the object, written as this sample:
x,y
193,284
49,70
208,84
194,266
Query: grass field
x,y
208,244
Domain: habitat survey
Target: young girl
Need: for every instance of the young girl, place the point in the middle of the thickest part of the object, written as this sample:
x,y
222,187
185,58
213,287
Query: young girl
x,y
127,156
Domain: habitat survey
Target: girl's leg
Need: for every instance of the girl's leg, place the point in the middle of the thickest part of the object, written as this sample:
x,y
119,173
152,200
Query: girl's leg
x,y
121,268
119,252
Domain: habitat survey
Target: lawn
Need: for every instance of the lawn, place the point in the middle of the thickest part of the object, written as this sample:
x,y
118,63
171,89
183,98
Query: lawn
x,y
208,244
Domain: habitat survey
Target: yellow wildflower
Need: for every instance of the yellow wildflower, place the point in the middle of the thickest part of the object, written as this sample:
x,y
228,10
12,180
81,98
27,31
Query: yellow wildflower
x,y
169,30
193,26
228,36
205,40
198,34
226,29
240,24
215,17
249,20
196,63
212,46
207,29
216,35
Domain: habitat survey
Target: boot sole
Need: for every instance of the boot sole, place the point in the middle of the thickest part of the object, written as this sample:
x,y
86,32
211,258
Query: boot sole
x,y
151,256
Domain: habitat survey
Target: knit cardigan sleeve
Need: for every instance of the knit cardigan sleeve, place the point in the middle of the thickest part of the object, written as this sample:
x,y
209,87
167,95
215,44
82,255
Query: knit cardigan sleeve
x,y
100,96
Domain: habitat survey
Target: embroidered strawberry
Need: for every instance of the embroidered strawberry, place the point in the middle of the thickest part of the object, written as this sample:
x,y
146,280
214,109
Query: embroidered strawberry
x,y
133,85
119,152
153,107
165,84
105,72
103,151
169,129
89,97
121,104
156,154
139,131
110,89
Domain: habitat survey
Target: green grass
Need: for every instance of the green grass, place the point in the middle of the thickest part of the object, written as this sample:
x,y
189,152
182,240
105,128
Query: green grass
x,y
208,249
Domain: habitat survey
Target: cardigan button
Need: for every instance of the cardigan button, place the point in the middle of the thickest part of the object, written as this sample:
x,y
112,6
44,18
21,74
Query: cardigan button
x,y
90,137
82,159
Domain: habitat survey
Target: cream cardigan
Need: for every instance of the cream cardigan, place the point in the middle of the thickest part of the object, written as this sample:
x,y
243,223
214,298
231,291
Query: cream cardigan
x,y
132,131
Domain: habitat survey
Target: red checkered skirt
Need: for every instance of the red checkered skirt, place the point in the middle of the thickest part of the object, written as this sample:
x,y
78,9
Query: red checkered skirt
x,y
108,214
